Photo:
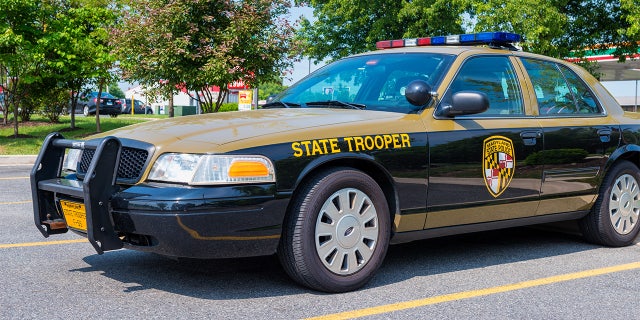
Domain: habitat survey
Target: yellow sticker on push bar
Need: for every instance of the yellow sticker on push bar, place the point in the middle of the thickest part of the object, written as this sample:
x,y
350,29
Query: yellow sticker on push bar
x,y
75,214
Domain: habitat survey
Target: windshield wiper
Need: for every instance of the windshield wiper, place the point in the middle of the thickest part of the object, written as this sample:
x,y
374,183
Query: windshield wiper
x,y
337,103
280,104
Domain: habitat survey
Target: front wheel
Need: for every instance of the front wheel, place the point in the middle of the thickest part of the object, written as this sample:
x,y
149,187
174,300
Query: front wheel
x,y
337,232
613,220
85,111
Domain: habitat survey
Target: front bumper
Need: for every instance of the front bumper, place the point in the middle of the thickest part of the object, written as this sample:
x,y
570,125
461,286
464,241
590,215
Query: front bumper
x,y
180,221
215,222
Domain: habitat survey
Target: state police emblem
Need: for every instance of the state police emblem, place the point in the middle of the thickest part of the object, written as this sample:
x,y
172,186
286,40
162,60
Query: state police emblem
x,y
498,164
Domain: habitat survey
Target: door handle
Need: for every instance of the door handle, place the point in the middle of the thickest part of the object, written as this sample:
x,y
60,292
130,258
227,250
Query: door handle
x,y
530,138
605,134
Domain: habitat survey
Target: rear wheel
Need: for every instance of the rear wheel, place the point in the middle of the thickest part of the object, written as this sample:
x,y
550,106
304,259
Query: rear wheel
x,y
337,231
613,220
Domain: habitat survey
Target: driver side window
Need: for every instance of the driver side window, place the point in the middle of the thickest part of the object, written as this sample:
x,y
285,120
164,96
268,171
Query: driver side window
x,y
493,76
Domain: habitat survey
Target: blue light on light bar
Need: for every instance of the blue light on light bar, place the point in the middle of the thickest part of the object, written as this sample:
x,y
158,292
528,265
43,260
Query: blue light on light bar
x,y
498,36
438,40
467,37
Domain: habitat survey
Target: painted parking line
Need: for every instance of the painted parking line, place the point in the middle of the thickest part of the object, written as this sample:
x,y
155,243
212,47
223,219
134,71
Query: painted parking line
x,y
477,293
41,243
15,202
14,178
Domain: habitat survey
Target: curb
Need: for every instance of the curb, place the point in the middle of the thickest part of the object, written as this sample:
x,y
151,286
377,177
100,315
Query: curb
x,y
18,160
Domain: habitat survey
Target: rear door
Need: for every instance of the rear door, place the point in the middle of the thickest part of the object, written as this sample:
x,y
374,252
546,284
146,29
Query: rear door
x,y
478,170
578,136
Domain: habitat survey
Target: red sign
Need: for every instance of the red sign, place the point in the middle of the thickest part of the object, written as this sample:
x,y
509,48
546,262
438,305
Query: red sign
x,y
237,85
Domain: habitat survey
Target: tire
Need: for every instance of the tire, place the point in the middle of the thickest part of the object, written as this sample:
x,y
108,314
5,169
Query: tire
x,y
336,232
85,111
613,220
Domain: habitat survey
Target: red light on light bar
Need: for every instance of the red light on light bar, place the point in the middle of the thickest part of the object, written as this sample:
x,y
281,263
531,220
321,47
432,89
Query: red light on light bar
x,y
386,44
397,43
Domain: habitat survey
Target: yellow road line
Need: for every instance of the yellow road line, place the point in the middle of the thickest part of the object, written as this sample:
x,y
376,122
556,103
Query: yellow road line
x,y
477,293
13,178
16,202
42,243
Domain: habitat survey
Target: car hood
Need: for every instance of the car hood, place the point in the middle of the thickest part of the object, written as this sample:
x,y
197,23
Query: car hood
x,y
229,128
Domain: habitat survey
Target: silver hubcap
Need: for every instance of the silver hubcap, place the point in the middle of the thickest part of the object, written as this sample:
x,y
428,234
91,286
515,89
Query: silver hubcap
x,y
624,204
346,231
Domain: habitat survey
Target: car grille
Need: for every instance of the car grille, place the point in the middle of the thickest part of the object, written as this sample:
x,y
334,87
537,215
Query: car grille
x,y
131,164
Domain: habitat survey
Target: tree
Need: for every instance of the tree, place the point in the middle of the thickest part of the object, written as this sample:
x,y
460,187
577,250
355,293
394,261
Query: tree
x,y
101,18
202,44
19,33
346,27
539,21
76,46
115,90
69,59
551,27
632,16
269,88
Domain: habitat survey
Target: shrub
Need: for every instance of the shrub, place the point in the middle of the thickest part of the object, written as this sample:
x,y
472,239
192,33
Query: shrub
x,y
231,106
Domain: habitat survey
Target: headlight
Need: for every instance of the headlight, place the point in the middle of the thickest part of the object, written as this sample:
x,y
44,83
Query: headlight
x,y
206,169
71,160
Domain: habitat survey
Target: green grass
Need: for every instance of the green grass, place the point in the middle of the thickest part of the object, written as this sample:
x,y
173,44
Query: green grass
x,y
32,134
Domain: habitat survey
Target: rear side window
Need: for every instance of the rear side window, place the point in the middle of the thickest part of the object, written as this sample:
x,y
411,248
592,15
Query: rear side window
x,y
559,91
493,76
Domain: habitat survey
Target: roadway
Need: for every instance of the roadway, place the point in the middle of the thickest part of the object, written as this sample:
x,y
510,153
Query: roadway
x,y
523,273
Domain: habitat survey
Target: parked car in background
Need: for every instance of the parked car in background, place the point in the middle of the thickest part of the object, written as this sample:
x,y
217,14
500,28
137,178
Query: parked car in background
x,y
139,107
108,104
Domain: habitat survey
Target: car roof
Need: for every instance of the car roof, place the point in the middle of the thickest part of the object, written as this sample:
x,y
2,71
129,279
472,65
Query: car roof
x,y
458,50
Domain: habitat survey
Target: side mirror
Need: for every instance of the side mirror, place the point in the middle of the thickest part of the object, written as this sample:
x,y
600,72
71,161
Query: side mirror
x,y
418,93
465,102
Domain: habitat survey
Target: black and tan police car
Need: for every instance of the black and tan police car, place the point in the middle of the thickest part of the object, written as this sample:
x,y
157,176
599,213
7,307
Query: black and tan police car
x,y
425,138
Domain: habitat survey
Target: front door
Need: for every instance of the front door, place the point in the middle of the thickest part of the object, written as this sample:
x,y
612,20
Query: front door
x,y
478,170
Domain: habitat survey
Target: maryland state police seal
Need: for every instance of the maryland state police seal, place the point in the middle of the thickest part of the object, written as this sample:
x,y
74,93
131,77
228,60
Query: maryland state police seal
x,y
498,164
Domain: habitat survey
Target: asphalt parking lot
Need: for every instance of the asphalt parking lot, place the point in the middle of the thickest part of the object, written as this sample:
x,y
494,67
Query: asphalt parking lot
x,y
518,273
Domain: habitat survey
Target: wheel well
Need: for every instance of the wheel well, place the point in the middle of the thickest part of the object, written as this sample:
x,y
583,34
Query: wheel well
x,y
633,156
374,171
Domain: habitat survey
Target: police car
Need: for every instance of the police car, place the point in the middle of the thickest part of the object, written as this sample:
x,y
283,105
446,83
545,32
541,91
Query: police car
x,y
424,138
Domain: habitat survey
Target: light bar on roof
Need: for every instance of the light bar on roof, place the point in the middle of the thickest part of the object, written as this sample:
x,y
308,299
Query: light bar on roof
x,y
486,38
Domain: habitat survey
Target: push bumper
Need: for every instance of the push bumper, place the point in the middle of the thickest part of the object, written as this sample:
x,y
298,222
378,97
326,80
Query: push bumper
x,y
47,187
180,221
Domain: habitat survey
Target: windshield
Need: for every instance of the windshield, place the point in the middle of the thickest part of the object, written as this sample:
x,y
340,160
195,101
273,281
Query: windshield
x,y
372,82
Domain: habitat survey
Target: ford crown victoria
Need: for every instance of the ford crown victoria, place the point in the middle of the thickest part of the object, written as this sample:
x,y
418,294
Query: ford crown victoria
x,y
424,138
